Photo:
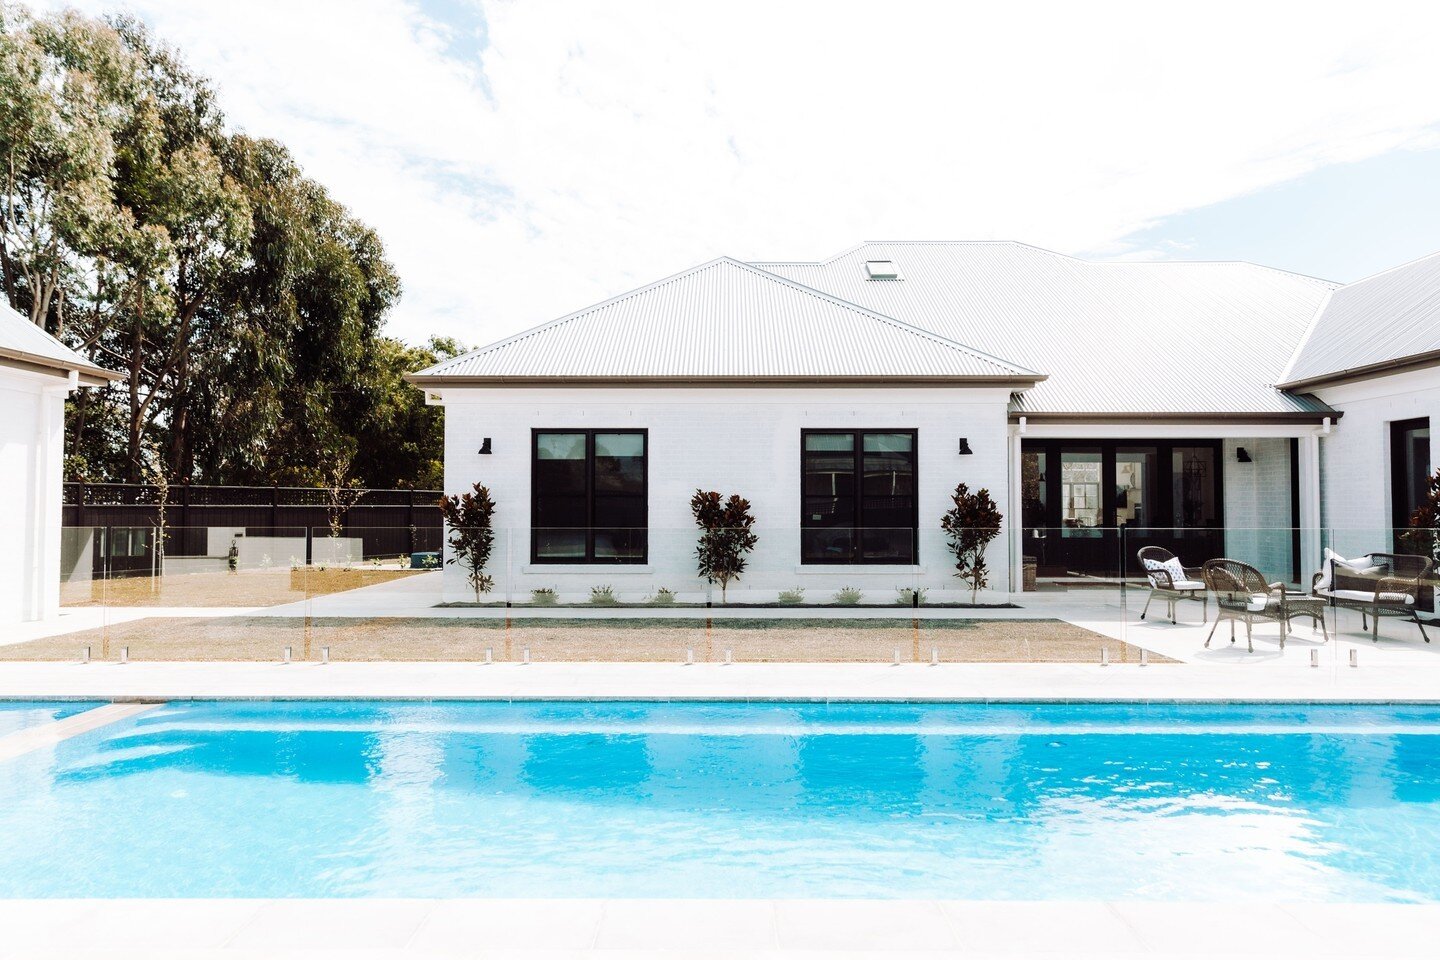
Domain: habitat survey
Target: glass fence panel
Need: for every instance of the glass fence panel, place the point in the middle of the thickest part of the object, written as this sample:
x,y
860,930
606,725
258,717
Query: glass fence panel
x,y
767,594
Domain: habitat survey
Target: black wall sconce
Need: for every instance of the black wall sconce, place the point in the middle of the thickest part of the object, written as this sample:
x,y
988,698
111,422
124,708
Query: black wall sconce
x,y
1242,455
965,450
485,446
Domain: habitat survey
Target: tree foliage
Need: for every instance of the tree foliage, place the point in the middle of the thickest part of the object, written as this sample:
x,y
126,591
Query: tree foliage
x,y
1423,537
725,536
971,523
242,302
469,521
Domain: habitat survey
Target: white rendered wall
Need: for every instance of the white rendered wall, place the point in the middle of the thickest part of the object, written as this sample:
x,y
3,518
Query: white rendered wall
x,y
32,410
1355,457
743,440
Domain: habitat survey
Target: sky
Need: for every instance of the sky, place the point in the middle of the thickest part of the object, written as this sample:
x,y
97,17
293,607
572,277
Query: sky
x,y
523,160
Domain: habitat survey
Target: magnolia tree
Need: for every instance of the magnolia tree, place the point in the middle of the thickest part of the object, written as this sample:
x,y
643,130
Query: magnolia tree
x,y
725,536
971,523
471,534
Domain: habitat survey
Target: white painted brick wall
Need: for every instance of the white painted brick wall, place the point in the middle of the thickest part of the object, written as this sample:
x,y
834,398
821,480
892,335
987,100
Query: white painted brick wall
x,y
1258,515
1355,457
742,440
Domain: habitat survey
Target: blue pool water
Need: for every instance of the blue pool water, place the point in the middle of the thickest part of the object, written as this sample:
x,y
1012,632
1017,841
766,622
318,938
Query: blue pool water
x,y
732,800
16,715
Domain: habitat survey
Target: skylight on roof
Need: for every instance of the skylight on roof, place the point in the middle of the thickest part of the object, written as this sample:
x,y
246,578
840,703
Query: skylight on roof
x,y
881,270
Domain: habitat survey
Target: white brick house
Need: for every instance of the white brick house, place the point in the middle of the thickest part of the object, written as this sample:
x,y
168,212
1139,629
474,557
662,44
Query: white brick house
x,y
37,372
846,398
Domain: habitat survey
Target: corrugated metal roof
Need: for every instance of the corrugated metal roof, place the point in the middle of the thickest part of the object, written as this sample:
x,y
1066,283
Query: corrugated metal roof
x,y
724,320
22,343
1382,320
1167,337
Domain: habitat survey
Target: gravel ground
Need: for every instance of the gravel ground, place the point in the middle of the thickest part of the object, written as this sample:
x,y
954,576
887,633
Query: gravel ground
x,y
249,588
618,639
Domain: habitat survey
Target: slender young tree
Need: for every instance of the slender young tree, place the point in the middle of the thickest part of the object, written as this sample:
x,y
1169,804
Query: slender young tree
x,y
725,536
469,519
971,523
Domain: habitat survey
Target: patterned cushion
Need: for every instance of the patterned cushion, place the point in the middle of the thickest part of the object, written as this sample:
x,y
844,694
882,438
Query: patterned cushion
x,y
1172,567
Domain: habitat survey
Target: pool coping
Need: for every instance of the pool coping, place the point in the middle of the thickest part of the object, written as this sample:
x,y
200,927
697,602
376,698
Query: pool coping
x,y
739,683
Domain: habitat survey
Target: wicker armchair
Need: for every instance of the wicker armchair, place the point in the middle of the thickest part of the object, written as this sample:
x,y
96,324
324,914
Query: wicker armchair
x,y
1156,563
1242,593
1391,588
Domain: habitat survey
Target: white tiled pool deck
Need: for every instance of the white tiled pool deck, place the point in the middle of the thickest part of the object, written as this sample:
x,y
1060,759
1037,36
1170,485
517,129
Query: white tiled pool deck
x,y
1236,928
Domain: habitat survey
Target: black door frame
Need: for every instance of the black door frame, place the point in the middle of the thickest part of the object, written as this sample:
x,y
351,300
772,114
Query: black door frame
x,y
1103,546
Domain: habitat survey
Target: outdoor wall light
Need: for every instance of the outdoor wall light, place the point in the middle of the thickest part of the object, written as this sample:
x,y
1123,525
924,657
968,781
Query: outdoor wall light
x,y
485,446
965,450
1241,456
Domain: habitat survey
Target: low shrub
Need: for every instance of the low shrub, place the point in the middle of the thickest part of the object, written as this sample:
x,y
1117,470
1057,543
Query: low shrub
x,y
544,597
909,597
603,596
663,597
790,598
847,596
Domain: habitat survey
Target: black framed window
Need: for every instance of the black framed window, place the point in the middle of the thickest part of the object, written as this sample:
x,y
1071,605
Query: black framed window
x,y
588,496
858,496
1409,468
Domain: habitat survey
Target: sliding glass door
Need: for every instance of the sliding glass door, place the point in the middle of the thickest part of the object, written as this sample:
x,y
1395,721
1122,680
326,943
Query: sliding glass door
x,y
1077,494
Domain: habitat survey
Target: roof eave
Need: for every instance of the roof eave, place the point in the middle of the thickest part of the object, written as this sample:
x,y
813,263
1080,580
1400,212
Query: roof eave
x,y
90,376
1199,417
441,380
1418,361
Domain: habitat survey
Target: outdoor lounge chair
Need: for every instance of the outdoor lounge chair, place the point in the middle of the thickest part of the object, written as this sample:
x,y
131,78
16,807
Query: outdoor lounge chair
x,y
1389,585
1172,582
1241,593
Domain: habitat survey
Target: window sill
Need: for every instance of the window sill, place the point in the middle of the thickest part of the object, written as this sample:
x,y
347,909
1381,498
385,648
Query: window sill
x,y
859,568
608,569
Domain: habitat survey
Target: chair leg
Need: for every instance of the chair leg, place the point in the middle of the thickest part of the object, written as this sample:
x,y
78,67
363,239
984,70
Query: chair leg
x,y
1284,629
1324,631
1212,632
1232,631
1173,605
1147,604
1249,636
1204,610
1375,628
1421,624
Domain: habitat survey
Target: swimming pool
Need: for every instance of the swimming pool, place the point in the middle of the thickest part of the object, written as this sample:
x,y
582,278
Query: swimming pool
x,y
16,715
325,799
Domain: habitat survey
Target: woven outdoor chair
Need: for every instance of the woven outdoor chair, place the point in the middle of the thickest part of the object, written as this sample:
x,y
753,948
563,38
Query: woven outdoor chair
x,y
1392,589
1172,582
1242,593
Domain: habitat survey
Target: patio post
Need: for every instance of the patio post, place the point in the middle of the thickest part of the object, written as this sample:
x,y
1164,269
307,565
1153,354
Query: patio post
x,y
1309,518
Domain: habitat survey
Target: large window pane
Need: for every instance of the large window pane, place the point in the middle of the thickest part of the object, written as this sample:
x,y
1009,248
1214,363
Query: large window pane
x,y
878,525
1080,503
1195,494
620,463
589,501
1136,469
1409,467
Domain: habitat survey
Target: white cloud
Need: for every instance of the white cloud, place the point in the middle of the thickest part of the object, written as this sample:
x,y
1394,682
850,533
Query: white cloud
x,y
593,147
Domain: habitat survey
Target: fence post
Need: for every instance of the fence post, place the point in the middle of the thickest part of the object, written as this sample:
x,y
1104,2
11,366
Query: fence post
x,y
410,520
